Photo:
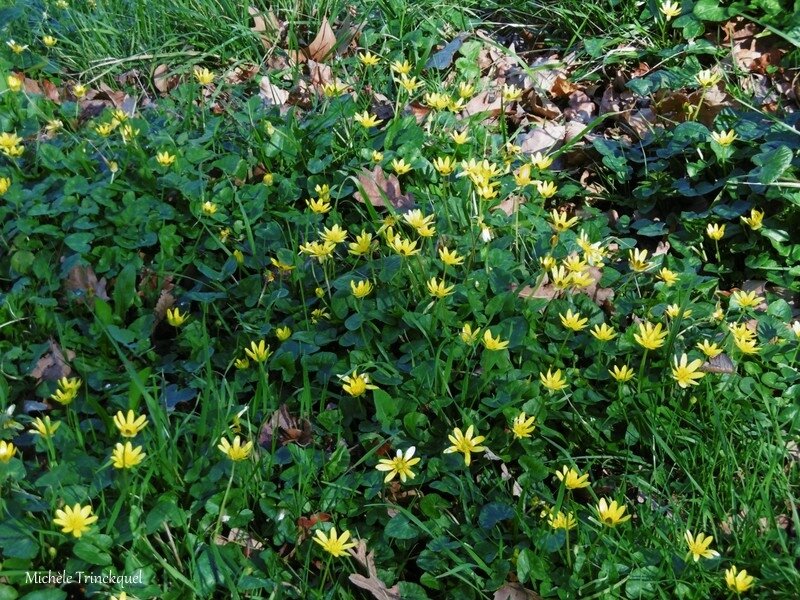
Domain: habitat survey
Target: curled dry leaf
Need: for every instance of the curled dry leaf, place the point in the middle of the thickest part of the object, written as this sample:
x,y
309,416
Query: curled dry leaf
x,y
52,365
84,285
288,429
271,93
544,138
515,591
163,81
371,582
381,191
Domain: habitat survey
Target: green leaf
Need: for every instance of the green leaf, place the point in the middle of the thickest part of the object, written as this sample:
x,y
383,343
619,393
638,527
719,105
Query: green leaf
x,y
386,407
125,290
50,594
642,583
15,542
411,591
493,513
773,164
7,592
93,555
79,242
399,527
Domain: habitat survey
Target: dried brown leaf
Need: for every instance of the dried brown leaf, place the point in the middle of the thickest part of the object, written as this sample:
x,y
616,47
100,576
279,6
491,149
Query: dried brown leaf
x,y
84,283
485,102
515,591
52,365
371,582
289,429
544,138
378,189
162,80
322,45
271,93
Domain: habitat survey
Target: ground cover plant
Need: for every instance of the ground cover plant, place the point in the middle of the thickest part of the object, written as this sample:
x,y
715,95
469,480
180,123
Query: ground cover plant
x,y
374,302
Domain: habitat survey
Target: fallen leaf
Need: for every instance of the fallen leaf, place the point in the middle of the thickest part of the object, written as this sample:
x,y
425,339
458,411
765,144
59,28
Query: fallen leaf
x,y
486,102
271,93
52,365
371,582
322,45
288,429
378,190
307,523
581,107
542,138
514,591
241,538
83,282
162,80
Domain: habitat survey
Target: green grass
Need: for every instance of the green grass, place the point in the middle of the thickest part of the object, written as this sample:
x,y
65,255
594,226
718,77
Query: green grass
x,y
719,457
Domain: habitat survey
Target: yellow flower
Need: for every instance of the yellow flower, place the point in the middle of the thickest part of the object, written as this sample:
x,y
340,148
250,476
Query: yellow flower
x,y
399,465
560,520
493,343
465,443
319,206
621,374
400,167
14,83
45,428
75,519
49,41
417,220
362,289
281,266
548,189
128,132
5,183
699,546
746,299
710,349
241,363
637,260
465,90
333,89
603,332
437,101
560,222
673,311
667,276
460,137
715,231
724,138
16,48
553,381
511,93
403,246
522,176
209,208
573,321
738,581
319,250
409,84
686,373
572,478
268,179
356,384
129,425
126,457
574,263
366,120
547,261
377,156
451,259
368,59
444,165
283,333
560,277
238,256
104,129
165,159
258,352
650,336
541,161
754,221
203,76
362,245
54,125
175,317
746,345
741,330
670,9
7,451
235,451
796,329
9,140
468,336
439,289
401,68
335,545
334,235
523,426
708,77
611,514
67,390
